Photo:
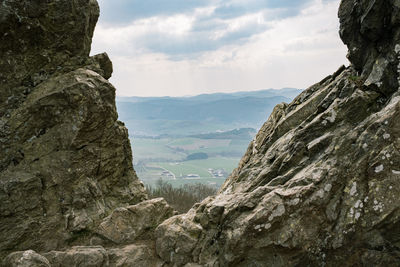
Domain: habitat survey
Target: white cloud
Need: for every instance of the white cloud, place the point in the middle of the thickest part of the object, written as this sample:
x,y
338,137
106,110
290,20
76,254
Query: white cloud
x,y
128,39
293,52
239,23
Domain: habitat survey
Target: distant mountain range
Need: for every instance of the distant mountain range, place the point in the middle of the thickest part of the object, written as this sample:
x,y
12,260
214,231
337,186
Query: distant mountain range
x,y
200,114
286,92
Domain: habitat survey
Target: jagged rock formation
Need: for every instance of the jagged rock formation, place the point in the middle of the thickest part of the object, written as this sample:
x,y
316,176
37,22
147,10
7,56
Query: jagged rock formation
x,y
65,159
320,184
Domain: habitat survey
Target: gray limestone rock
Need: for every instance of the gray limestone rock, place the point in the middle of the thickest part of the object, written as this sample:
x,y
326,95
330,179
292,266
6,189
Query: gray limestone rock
x,y
141,253
370,29
138,254
27,258
127,224
38,39
319,184
95,256
65,159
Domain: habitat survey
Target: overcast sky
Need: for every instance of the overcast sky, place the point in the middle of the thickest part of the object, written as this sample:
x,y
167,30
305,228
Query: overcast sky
x,y
189,47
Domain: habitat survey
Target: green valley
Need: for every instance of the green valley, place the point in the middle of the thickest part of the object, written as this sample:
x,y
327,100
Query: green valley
x,y
166,158
198,139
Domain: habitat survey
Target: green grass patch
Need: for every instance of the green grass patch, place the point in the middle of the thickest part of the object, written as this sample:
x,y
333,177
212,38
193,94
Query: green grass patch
x,y
154,149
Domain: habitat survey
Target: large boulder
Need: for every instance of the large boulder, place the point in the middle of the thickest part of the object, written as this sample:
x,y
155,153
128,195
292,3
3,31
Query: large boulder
x,y
65,159
319,184
139,254
127,224
28,258
91,256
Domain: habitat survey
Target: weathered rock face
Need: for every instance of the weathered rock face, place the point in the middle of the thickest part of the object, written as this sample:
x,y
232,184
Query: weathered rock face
x,y
139,254
127,224
65,159
38,38
370,29
320,183
93,256
318,186
125,238
26,258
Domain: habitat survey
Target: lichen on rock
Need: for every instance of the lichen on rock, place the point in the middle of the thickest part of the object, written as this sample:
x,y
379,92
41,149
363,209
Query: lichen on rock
x,y
318,186
66,160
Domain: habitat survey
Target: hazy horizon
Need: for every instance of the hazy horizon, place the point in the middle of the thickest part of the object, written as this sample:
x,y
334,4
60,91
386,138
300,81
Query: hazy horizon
x,y
214,92
187,48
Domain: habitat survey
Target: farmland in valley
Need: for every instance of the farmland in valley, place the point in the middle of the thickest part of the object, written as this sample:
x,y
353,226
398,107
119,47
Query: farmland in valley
x,y
165,158
195,139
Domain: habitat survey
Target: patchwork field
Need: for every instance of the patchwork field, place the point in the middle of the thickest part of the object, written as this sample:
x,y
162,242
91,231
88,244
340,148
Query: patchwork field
x,y
171,134
197,144
165,158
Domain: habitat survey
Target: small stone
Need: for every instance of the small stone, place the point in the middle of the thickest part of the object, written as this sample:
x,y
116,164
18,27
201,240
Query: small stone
x,y
379,168
328,187
353,189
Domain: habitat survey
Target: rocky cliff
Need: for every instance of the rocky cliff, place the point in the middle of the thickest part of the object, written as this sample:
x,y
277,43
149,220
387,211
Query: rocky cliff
x,y
65,159
320,183
318,186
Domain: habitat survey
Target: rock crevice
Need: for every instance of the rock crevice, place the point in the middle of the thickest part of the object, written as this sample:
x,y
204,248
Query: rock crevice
x,y
318,186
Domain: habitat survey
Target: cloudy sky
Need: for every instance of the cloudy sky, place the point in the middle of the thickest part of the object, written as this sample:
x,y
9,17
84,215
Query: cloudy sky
x,y
189,47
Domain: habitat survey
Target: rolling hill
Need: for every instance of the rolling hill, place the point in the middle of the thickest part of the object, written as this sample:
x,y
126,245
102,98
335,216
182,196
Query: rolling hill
x,y
181,116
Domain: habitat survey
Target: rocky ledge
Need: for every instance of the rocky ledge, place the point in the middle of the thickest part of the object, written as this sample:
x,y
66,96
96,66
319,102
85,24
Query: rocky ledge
x,y
318,186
